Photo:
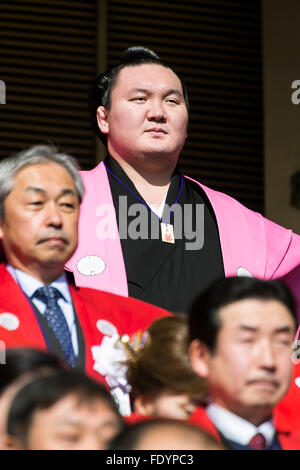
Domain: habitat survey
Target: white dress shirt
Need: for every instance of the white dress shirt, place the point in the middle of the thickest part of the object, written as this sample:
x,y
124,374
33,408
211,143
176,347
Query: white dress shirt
x,y
30,284
237,429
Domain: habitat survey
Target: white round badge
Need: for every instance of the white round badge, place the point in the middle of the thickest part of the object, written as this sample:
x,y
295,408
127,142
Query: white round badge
x,y
106,328
9,321
91,265
243,272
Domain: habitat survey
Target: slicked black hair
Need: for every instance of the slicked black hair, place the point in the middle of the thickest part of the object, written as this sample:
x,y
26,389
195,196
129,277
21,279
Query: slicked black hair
x,y
102,86
204,318
44,392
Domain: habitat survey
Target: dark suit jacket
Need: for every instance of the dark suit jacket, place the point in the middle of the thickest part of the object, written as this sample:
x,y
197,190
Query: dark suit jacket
x,y
288,438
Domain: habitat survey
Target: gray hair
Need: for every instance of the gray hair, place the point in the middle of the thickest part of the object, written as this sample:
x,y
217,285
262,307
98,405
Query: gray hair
x,y
9,168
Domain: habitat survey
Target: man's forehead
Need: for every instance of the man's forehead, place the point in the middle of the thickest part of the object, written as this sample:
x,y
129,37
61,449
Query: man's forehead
x,y
256,314
44,174
38,170
148,76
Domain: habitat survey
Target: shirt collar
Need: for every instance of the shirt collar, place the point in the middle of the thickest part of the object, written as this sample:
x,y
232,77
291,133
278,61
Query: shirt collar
x,y
237,429
30,284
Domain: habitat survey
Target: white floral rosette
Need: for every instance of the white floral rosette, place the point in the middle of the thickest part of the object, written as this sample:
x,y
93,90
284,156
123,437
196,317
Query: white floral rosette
x,y
109,360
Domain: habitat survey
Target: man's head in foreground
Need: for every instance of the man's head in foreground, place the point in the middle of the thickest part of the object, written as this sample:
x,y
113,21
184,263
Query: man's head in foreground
x,y
21,366
140,109
241,333
164,434
40,193
63,411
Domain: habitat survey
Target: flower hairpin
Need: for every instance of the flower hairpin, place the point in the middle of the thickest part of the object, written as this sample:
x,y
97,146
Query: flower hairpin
x,y
111,359
134,345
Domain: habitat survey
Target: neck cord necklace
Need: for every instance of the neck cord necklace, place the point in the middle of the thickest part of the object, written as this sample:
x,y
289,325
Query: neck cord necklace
x,y
167,231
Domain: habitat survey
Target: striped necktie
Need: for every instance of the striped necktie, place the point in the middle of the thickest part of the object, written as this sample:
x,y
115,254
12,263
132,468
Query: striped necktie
x,y
56,320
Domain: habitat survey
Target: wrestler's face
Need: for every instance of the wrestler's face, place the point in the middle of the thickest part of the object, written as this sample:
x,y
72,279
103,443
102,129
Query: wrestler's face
x,y
39,230
251,368
148,118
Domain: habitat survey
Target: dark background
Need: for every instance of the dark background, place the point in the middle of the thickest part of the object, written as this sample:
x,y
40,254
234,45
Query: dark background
x,y
50,50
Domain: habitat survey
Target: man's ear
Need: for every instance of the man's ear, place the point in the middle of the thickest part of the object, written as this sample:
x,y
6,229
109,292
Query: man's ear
x,y
200,357
102,119
1,229
143,405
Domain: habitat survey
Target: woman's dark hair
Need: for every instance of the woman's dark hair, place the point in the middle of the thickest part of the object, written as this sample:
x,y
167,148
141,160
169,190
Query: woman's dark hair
x,y
19,361
102,86
163,363
44,392
204,319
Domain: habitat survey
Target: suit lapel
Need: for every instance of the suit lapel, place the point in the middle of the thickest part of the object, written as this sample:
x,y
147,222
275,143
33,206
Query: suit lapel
x,y
85,330
81,358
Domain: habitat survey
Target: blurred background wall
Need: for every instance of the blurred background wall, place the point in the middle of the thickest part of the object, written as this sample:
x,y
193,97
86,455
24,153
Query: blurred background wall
x,y
281,32
50,50
47,59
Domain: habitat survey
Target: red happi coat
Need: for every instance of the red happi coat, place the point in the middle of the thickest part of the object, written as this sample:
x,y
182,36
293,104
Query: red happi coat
x,y
19,326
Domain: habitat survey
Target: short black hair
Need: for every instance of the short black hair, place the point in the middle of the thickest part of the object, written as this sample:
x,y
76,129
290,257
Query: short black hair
x,y
101,88
204,319
44,392
19,361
